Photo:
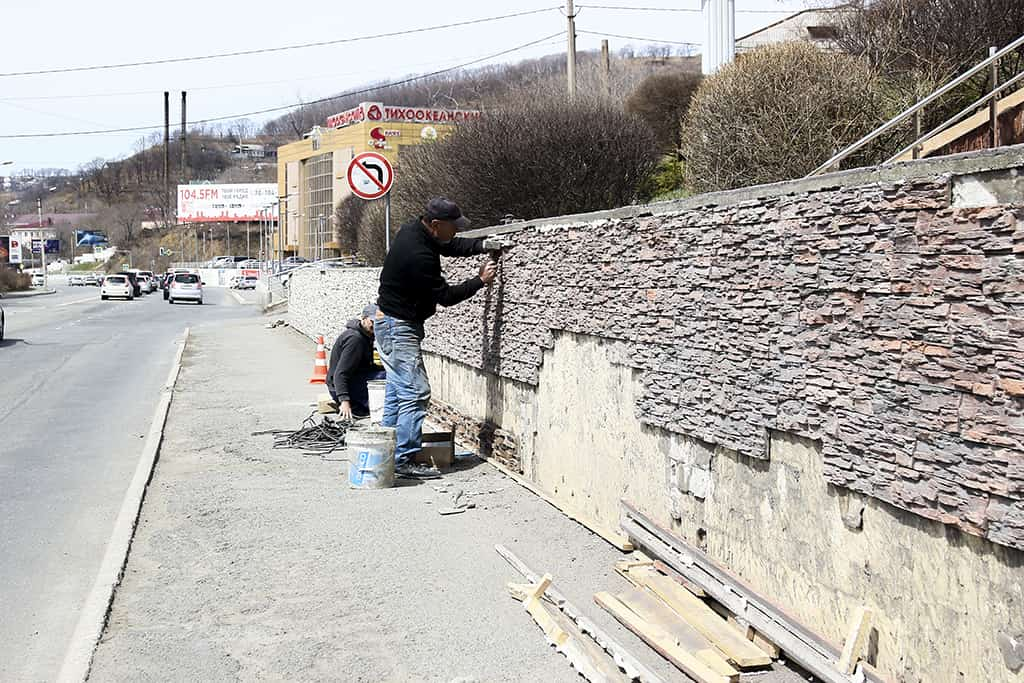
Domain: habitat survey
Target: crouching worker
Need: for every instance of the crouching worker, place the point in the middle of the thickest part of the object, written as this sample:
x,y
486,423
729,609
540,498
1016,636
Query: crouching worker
x,y
351,366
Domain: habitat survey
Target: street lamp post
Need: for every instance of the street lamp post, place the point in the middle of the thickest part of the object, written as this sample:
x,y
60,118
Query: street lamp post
x,y
42,238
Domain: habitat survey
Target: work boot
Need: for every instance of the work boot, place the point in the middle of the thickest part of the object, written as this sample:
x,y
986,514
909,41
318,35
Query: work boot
x,y
409,470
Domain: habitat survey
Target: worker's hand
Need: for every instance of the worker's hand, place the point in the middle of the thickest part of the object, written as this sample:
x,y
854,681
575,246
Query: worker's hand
x,y
488,271
345,409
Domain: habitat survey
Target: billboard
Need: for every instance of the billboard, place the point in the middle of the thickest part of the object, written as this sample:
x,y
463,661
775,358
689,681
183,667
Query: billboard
x,y
89,238
52,246
378,111
14,256
216,203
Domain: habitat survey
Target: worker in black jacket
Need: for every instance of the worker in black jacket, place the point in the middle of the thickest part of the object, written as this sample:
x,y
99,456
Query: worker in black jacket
x,y
411,287
351,366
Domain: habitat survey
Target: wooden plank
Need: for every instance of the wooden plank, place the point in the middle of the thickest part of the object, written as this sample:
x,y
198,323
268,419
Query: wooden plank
x,y
519,591
662,642
857,640
645,604
679,578
697,613
622,656
802,645
613,536
751,634
589,660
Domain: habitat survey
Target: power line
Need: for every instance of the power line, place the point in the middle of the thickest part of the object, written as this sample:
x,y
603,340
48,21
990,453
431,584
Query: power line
x,y
269,110
642,40
200,88
267,50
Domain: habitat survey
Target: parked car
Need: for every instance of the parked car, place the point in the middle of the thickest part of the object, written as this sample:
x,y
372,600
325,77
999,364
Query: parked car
x,y
151,279
295,261
248,282
75,280
249,264
119,285
130,274
185,287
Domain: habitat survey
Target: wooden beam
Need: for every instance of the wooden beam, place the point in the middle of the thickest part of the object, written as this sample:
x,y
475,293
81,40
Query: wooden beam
x,y
622,656
857,640
802,645
697,664
701,617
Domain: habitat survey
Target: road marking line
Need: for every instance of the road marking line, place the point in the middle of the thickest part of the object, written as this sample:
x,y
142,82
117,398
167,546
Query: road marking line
x,y
93,619
78,301
237,297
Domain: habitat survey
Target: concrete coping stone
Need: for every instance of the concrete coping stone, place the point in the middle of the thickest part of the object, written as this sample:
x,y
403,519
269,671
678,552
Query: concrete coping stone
x,y
1003,158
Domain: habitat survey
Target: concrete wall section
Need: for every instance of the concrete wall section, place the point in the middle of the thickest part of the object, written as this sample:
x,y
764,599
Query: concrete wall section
x,y
322,302
947,603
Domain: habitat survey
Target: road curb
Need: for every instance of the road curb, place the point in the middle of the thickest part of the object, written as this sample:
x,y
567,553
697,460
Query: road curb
x,y
93,618
26,295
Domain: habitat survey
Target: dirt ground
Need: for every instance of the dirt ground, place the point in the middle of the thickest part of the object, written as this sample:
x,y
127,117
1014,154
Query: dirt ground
x,y
258,564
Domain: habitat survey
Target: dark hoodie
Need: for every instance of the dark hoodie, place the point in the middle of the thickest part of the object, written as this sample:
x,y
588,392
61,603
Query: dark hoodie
x,y
351,355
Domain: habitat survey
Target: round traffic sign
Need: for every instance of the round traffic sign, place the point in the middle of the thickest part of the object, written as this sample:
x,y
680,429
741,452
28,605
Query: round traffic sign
x,y
370,175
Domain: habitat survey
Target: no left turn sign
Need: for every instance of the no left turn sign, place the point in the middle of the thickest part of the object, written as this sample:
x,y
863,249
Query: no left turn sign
x,y
370,175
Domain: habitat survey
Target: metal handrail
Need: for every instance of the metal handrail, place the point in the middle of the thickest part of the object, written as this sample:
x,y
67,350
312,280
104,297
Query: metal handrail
x,y
955,118
907,113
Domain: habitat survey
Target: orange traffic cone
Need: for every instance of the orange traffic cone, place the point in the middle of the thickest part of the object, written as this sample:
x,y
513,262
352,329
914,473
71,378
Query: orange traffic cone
x,y
319,363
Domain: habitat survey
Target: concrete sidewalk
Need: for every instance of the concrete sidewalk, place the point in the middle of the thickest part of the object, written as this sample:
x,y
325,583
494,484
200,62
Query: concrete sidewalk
x,y
251,563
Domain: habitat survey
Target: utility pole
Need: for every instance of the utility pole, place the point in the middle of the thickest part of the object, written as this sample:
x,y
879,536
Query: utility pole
x,y
570,67
167,150
606,69
184,146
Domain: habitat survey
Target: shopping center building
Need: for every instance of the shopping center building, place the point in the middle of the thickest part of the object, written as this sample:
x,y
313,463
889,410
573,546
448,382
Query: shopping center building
x,y
311,173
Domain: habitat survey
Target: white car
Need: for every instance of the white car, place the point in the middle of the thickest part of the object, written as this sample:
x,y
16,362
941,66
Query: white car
x,y
186,287
117,286
248,282
37,279
144,283
76,281
152,279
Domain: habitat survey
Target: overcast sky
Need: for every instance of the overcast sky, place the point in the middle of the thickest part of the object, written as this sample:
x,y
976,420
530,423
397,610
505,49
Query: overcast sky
x,y
52,34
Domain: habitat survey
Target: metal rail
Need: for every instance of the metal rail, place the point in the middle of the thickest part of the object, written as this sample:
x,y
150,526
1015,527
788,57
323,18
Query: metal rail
x,y
991,60
956,117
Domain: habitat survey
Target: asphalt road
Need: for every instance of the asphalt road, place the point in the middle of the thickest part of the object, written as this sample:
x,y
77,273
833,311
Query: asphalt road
x,y
79,382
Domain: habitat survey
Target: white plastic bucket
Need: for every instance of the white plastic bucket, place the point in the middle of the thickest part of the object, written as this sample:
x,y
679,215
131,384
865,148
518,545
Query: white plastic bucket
x,y
375,390
371,457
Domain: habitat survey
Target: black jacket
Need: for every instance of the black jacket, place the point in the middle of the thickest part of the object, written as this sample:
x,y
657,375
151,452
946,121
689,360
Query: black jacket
x,y
411,284
351,354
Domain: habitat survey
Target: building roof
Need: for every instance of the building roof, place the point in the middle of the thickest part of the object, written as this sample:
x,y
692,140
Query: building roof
x,y
802,25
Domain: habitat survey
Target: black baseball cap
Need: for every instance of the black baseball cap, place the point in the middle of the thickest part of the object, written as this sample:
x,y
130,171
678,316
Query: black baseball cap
x,y
441,209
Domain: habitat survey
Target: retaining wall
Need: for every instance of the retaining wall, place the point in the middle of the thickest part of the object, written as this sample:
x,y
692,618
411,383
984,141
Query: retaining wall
x,y
321,302
819,382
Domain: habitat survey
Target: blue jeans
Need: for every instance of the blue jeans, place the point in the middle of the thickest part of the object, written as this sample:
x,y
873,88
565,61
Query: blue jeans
x,y
408,390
